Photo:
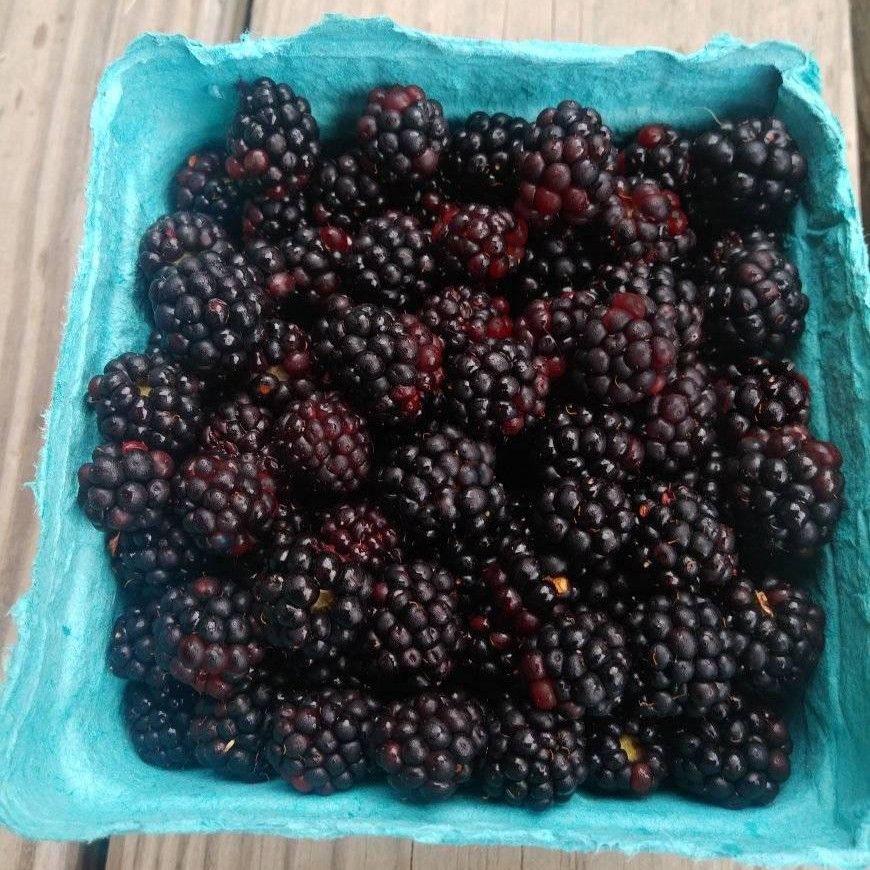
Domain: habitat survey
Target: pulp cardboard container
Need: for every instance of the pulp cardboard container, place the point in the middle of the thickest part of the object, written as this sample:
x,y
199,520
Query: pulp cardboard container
x,y
68,770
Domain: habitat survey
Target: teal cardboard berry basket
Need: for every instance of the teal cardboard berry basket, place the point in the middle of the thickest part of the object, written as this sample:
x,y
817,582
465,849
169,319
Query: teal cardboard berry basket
x,y
68,769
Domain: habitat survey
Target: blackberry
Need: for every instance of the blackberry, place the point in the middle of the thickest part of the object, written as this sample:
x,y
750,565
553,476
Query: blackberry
x,y
736,756
362,534
392,261
658,151
533,757
785,489
291,521
125,487
143,397
779,635
174,237
495,387
238,426
226,503
627,350
682,655
210,319
460,314
402,134
614,592
273,141
428,746
579,664
202,185
588,519
575,439
131,650
554,261
158,722
206,636
282,366
480,243
413,626
272,219
708,480
389,363
750,171
324,444
490,651
344,194
318,740
626,756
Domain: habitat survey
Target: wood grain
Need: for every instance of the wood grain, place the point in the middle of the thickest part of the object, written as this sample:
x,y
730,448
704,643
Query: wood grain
x,y
861,53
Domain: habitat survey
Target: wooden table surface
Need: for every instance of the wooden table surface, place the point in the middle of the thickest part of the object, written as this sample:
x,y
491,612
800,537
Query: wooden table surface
x,y
51,55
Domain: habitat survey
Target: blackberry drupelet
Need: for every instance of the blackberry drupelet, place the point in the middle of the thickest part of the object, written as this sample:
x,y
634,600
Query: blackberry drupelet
x,y
429,745
361,533
282,366
461,314
202,185
238,426
175,237
658,151
272,219
125,487
737,755
533,757
344,194
158,722
131,653
625,755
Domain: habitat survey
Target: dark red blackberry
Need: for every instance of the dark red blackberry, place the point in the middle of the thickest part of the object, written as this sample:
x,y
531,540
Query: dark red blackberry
x,y
402,134
461,314
273,218
682,654
206,635
785,489
282,366
481,243
143,397
146,562
389,364
158,722
758,392
779,635
238,426
495,387
588,519
627,350
750,171
392,262
578,664
625,756
321,442
428,746
175,237
125,487
202,185
554,261
273,141
737,755
209,317
131,653
657,151
361,533
226,503
680,541
533,757
576,439
344,194
413,627
318,740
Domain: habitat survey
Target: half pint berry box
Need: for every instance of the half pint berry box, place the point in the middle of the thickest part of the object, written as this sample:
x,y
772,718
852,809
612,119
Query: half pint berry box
x,y
69,770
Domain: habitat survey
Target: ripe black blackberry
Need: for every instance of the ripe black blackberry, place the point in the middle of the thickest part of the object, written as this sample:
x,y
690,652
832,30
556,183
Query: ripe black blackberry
x,y
238,426
315,259
226,503
737,755
205,635
785,489
413,627
614,592
429,745
402,134
682,655
779,635
480,243
490,652
131,653
658,151
389,364
588,519
461,314
291,521
577,665
321,442
174,237
495,387
158,722
361,533
209,317
344,194
625,755
750,171
273,141
392,262
202,185
318,740
533,757
708,480
125,487
273,218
